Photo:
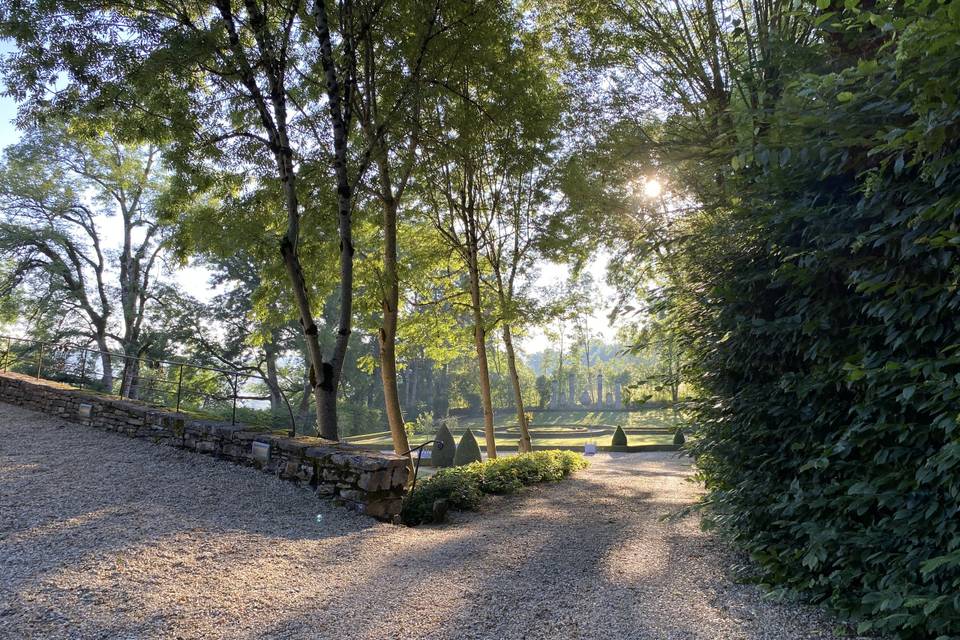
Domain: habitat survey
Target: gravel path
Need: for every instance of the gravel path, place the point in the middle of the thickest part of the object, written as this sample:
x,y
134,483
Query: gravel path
x,y
107,537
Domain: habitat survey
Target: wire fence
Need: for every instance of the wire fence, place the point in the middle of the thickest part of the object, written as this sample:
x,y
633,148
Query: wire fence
x,y
215,393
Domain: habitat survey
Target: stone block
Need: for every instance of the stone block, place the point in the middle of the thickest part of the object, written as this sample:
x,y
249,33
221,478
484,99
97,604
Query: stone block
x,y
399,477
207,446
373,464
321,454
331,474
375,480
326,489
291,470
354,495
232,450
244,435
226,431
383,509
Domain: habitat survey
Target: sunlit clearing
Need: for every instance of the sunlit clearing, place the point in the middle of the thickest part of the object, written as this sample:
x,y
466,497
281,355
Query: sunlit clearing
x,y
652,188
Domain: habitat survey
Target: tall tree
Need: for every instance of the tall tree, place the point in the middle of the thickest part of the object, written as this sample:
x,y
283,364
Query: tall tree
x,y
389,93
85,212
498,106
218,82
462,218
512,240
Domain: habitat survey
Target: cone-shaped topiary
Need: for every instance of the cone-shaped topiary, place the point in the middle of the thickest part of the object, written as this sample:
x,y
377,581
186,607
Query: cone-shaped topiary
x,y
619,437
443,456
678,438
467,451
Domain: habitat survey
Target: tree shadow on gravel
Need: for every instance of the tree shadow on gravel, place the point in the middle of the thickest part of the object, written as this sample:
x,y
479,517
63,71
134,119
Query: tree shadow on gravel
x,y
113,541
645,473
580,559
541,565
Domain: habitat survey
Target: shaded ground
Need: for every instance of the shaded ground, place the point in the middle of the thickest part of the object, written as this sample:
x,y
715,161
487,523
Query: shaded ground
x,y
107,537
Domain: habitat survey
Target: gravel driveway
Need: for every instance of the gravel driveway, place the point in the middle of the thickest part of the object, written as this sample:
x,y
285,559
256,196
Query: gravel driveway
x,y
107,537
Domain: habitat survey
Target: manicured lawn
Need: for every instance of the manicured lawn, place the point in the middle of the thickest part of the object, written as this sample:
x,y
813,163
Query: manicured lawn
x,y
656,418
559,429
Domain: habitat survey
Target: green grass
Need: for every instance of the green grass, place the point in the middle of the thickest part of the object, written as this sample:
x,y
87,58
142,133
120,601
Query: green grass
x,y
656,418
655,426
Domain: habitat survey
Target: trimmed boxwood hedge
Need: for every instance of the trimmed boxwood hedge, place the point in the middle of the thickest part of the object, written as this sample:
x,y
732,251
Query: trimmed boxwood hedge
x,y
462,487
443,456
619,438
468,450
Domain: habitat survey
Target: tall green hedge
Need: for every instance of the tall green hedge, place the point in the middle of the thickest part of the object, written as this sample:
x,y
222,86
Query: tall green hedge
x,y
822,318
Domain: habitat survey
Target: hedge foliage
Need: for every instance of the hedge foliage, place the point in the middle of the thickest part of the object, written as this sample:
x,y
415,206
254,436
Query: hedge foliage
x,y
443,456
468,450
463,486
619,438
822,318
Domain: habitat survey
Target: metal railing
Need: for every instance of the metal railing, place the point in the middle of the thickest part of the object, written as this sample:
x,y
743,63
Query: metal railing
x,y
161,383
438,444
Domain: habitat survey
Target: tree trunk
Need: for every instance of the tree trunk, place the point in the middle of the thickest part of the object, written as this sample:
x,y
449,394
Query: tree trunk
x,y
441,396
276,402
388,331
321,379
498,390
106,362
525,443
586,340
324,376
413,390
480,340
126,378
391,395
559,402
325,395
303,410
326,406
674,376
133,392
428,388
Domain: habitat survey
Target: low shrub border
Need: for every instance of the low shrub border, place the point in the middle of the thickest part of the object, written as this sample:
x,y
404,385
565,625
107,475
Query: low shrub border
x,y
462,488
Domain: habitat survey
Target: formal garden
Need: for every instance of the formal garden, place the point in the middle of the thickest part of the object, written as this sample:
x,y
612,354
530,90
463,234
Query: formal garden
x,y
565,430
480,319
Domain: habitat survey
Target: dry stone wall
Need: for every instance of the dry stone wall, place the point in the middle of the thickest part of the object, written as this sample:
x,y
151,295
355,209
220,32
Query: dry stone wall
x,y
367,481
